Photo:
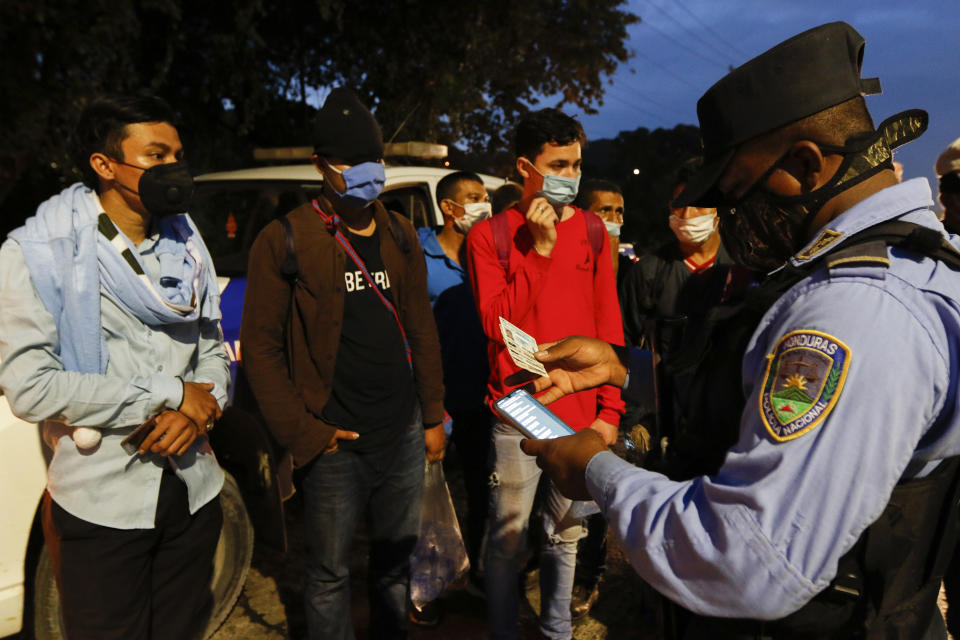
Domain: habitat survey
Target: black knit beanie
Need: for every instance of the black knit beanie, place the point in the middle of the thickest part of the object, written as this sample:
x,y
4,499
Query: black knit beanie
x,y
347,130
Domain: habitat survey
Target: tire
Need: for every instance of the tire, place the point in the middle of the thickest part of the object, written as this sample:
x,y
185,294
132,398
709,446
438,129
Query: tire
x,y
46,601
231,564
232,558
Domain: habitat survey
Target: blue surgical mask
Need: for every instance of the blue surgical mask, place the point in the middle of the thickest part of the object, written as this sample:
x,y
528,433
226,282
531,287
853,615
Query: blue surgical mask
x,y
613,228
364,183
558,190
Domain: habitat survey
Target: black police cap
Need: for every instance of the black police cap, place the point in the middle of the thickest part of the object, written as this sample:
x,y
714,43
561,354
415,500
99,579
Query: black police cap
x,y
806,74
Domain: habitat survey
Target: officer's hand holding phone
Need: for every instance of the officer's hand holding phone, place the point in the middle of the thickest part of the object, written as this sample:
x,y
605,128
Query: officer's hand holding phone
x,y
560,452
565,460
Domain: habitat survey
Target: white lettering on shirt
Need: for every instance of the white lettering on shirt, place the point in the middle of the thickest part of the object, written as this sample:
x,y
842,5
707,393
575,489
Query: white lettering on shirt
x,y
355,281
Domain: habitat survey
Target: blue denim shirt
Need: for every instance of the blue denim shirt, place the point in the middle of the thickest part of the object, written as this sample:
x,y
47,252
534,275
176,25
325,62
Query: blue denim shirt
x,y
463,345
104,485
764,535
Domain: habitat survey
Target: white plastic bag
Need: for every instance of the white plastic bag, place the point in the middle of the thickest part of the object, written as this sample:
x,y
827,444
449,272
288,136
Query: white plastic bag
x,y
439,561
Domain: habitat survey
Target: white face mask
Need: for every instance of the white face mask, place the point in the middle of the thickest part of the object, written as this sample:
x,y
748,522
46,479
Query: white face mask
x,y
613,228
473,212
694,230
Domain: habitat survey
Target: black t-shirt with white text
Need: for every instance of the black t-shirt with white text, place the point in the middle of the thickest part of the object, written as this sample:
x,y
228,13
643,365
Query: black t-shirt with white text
x,y
372,383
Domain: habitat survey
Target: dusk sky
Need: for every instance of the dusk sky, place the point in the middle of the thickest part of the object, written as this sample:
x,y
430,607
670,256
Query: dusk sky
x,y
682,47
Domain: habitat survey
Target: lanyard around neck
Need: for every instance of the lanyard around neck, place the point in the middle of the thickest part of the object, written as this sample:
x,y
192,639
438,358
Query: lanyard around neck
x,y
332,222
109,231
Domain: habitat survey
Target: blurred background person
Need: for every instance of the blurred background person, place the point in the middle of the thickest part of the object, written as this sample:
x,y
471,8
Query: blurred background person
x,y
464,201
678,280
948,170
506,197
665,298
605,198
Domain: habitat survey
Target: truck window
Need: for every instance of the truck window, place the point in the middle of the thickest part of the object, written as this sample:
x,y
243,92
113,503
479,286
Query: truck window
x,y
413,202
230,215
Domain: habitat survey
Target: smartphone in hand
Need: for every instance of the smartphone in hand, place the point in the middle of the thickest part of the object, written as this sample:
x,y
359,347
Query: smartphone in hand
x,y
524,412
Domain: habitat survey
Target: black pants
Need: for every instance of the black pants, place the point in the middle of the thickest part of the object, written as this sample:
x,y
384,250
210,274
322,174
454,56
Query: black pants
x,y
471,437
592,552
700,628
951,584
134,584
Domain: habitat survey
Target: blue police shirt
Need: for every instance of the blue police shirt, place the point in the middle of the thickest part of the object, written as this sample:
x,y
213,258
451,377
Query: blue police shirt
x,y
851,385
463,345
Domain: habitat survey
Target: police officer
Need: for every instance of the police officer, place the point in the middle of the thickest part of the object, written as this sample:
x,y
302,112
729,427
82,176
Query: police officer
x,y
832,514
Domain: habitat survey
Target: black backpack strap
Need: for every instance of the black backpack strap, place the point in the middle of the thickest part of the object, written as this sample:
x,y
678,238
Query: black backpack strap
x,y
908,236
656,290
289,267
396,230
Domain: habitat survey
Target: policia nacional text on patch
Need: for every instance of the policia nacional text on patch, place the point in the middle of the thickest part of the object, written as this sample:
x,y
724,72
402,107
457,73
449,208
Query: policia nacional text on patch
x,y
804,378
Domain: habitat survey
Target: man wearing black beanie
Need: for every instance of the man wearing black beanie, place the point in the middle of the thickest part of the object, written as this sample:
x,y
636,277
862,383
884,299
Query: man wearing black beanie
x,y
342,353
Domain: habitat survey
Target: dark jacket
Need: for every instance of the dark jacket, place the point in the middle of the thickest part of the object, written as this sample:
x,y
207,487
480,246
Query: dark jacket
x,y
289,354
661,286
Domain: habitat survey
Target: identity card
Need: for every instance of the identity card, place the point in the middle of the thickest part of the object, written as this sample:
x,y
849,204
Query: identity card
x,y
521,346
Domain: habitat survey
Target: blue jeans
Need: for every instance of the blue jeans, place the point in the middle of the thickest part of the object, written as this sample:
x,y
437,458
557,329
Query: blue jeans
x,y
385,487
513,487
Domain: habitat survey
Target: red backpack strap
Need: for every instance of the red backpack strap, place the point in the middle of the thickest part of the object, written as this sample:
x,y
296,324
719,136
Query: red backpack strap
x,y
500,228
596,230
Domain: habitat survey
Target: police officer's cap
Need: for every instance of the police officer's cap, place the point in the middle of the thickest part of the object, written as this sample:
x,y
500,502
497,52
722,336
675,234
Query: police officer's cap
x,y
806,74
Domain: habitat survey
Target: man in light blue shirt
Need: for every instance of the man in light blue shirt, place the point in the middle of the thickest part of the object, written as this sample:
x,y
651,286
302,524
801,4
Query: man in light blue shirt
x,y
834,511
110,321
464,201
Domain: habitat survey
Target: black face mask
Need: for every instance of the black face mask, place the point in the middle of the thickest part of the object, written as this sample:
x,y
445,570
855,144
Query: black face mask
x,y
763,229
164,189
761,233
950,183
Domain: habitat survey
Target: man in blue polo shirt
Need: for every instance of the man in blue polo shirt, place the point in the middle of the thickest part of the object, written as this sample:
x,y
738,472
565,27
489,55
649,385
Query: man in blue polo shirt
x,y
464,201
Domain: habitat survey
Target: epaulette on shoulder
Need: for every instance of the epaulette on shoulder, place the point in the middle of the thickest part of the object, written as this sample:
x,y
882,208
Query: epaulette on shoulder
x,y
866,254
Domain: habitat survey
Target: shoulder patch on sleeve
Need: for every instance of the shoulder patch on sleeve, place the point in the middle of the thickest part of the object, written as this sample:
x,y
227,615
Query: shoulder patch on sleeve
x,y
804,378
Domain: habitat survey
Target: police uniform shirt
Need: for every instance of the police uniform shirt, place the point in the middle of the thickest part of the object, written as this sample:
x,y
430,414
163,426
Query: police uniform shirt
x,y
850,380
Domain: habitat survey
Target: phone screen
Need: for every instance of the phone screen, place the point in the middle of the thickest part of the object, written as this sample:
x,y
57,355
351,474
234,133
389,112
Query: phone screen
x,y
531,418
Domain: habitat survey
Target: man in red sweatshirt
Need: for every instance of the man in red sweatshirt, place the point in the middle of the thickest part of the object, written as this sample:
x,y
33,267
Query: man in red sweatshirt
x,y
544,266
